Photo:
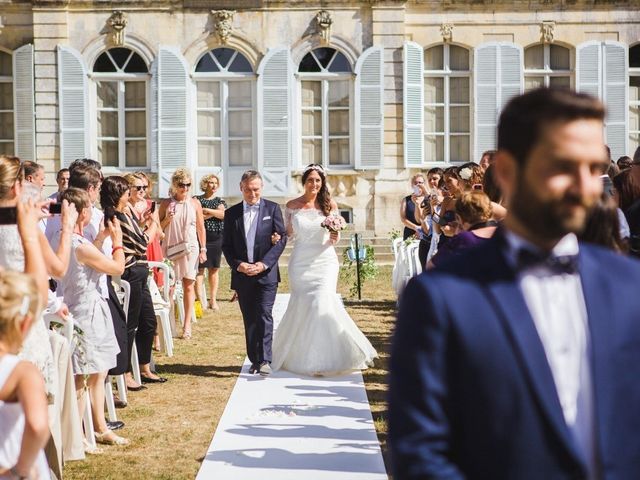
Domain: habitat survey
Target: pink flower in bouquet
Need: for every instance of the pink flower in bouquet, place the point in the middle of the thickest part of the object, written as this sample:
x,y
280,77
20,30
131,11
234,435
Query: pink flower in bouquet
x,y
334,223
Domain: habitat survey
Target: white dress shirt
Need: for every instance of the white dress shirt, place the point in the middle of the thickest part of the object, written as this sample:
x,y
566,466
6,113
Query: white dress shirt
x,y
557,306
250,217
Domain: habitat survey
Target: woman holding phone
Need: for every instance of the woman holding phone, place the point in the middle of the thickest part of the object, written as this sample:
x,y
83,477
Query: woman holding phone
x,y
409,207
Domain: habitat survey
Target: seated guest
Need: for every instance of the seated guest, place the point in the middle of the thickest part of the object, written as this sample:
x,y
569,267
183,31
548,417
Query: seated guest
x,y
473,220
98,347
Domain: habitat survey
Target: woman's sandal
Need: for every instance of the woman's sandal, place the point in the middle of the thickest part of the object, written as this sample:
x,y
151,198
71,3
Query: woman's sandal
x,y
186,335
109,438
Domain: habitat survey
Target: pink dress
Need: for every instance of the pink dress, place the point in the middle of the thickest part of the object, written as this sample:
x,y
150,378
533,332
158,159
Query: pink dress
x,y
183,228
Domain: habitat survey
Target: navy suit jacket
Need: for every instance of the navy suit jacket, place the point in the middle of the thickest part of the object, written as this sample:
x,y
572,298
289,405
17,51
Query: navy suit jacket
x,y
234,244
471,392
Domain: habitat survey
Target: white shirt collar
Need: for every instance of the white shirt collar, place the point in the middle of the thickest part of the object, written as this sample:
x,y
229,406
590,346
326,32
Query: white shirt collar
x,y
246,206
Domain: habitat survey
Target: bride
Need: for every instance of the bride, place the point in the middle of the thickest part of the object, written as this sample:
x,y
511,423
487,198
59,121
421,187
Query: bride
x,y
316,335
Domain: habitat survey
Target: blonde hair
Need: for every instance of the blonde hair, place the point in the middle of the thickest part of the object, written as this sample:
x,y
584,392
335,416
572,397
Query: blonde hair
x,y
179,176
11,171
150,183
474,206
418,175
17,292
205,179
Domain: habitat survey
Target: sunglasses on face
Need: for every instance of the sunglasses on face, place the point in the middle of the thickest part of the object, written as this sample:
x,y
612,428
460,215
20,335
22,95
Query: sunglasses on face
x,y
140,187
184,185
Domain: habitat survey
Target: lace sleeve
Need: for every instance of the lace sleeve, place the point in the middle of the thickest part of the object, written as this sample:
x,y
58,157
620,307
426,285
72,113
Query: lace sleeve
x,y
288,222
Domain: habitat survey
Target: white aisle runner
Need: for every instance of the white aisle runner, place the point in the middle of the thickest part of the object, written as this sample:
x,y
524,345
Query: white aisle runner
x,y
288,426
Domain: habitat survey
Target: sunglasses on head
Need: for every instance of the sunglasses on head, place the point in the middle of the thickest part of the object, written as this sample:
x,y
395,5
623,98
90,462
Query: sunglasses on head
x,y
184,185
140,187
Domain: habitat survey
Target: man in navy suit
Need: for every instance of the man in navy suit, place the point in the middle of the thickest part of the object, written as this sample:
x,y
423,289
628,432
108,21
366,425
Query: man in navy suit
x,y
253,258
521,358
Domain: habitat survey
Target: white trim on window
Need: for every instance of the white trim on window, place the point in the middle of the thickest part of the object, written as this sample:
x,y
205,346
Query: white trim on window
x,y
634,104
5,139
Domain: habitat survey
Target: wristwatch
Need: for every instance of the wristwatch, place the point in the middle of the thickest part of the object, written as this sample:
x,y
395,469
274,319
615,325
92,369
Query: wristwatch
x,y
16,475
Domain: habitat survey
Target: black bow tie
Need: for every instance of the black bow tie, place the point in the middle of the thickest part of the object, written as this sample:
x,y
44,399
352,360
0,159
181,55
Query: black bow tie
x,y
556,263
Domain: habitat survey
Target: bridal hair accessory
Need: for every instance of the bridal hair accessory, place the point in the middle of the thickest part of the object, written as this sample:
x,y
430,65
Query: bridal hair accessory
x,y
465,173
334,223
24,307
314,166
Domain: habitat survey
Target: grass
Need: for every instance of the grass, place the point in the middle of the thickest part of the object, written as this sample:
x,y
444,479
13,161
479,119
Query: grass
x,y
171,425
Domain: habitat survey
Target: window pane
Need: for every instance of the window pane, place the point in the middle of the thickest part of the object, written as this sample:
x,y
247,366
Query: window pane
x,y
107,94
339,122
240,124
560,82
434,58
136,151
533,82
208,124
135,94
434,119
339,151
6,125
208,95
311,123
433,90
459,148
108,153
6,64
459,121
135,124
6,148
324,55
634,88
634,142
120,55
458,58
309,64
339,93
240,94
6,96
209,153
340,64
136,65
534,57
223,55
240,65
634,57
240,153
434,149
311,151
108,124
104,64
311,94
560,58
207,64
634,118
459,90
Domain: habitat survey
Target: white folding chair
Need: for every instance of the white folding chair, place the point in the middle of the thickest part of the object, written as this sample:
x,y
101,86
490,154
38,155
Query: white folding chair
x,y
417,265
395,246
161,307
109,400
123,292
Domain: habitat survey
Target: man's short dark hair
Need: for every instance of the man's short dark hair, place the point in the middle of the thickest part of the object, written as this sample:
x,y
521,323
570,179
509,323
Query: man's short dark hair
x,y
31,168
523,119
84,177
85,162
60,172
250,175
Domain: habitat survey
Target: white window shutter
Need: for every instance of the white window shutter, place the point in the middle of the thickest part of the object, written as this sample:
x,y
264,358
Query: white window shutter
x,y
23,101
172,116
616,97
498,77
153,106
274,121
369,106
73,106
413,108
589,68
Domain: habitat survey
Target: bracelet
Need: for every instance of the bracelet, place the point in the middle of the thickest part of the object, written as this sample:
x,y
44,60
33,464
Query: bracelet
x,y
15,474
115,249
203,249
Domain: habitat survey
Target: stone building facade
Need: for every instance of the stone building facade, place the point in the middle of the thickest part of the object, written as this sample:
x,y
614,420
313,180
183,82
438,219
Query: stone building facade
x,y
374,90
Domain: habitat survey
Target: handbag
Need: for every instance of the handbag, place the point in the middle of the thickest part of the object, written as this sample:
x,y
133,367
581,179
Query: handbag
x,y
178,250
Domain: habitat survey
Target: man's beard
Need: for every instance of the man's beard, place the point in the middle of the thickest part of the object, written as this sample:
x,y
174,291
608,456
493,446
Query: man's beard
x,y
549,219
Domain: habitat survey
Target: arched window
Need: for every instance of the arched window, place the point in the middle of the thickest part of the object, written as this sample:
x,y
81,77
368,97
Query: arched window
x,y
6,104
634,98
225,83
547,65
447,136
326,85
121,77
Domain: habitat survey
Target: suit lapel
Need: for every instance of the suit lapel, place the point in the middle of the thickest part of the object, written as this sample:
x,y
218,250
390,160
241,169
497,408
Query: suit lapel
x,y
516,318
261,214
598,297
240,227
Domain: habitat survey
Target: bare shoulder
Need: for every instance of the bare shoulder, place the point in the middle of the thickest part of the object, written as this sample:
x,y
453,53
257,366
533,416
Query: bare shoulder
x,y
196,203
295,203
334,205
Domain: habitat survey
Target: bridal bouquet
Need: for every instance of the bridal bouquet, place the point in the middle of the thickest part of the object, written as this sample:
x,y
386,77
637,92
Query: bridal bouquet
x,y
334,223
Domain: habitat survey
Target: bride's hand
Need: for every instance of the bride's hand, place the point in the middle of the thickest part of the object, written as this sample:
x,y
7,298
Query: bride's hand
x,y
275,238
334,237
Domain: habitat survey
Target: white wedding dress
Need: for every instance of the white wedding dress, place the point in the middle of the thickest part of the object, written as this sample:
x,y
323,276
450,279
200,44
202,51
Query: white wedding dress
x,y
316,335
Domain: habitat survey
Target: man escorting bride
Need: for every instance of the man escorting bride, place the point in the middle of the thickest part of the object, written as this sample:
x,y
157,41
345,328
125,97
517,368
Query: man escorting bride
x,y
316,335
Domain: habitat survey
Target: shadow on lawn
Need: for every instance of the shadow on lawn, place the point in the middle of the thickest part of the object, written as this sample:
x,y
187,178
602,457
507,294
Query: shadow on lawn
x,y
200,370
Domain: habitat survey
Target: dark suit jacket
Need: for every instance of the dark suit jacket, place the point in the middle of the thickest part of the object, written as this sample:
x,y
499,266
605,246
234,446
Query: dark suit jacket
x,y
471,392
234,245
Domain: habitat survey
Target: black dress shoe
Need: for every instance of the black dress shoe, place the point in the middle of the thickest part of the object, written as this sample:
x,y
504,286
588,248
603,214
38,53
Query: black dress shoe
x,y
137,389
254,368
152,380
117,425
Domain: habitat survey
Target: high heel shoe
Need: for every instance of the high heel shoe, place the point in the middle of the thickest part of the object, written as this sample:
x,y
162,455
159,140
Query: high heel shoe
x,y
186,334
109,438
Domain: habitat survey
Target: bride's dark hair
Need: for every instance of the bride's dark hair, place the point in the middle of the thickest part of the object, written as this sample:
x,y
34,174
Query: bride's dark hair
x,y
324,197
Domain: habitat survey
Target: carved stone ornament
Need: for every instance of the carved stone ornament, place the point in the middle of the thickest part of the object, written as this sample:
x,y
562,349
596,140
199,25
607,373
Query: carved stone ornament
x,y
224,23
117,21
324,22
446,30
547,31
